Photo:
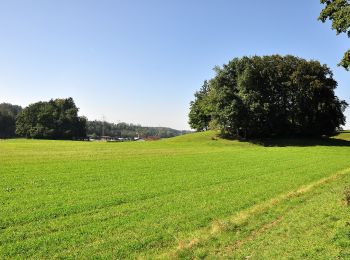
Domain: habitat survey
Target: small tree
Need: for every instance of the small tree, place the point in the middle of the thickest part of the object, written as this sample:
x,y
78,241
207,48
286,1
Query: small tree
x,y
199,116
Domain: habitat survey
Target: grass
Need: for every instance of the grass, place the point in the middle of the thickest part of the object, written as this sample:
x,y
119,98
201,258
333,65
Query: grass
x,y
192,196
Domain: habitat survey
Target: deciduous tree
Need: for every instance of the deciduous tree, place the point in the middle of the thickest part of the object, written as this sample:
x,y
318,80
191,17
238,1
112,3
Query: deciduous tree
x,y
55,119
338,12
271,96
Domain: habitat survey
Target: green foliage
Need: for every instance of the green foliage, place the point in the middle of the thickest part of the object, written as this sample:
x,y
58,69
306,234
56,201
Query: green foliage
x,y
8,114
199,116
338,12
9,109
62,199
55,119
96,129
7,126
271,96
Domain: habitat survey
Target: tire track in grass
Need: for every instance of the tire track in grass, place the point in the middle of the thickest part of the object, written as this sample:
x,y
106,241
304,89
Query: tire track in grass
x,y
146,199
218,226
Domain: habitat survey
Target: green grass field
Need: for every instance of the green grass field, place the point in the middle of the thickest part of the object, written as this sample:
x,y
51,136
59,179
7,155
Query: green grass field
x,y
192,196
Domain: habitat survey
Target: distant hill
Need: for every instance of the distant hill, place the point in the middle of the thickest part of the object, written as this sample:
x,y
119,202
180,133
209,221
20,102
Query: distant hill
x,y
125,130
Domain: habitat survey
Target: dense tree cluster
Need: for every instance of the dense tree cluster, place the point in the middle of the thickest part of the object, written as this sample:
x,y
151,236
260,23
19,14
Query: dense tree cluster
x,y
97,129
55,119
338,12
269,96
8,114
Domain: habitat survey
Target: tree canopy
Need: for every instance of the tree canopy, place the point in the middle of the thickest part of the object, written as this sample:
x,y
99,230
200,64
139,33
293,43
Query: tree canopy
x,y
338,12
8,114
200,109
269,96
55,119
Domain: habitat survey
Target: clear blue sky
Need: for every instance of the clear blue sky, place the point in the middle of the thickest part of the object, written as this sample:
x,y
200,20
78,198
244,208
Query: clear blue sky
x,y
141,61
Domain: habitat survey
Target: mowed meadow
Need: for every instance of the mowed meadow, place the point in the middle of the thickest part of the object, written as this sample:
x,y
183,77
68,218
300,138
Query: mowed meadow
x,y
192,196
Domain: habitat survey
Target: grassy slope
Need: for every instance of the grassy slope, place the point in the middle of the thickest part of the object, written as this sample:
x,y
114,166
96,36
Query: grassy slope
x,y
183,197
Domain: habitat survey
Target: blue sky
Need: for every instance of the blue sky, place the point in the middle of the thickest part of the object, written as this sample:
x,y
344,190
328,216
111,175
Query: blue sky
x,y
141,61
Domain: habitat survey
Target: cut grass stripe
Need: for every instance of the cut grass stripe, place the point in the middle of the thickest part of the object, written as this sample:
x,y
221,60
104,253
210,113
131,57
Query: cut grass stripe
x,y
203,235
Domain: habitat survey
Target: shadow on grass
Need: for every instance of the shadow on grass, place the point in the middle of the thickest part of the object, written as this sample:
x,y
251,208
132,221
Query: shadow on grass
x,y
300,142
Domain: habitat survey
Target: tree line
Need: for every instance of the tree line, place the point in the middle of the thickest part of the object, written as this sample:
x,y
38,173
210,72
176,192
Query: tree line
x,y
58,119
54,119
97,129
269,96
